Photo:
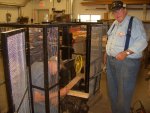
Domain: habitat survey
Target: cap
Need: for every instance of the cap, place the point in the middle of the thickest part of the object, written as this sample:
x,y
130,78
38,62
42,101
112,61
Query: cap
x,y
116,5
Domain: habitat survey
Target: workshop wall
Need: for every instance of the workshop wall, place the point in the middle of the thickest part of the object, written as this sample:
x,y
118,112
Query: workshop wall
x,y
31,8
12,10
101,9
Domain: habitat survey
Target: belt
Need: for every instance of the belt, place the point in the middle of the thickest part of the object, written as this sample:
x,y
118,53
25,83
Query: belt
x,y
112,57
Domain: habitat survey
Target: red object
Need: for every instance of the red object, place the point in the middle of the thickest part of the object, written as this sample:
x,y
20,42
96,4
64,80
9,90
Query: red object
x,y
41,4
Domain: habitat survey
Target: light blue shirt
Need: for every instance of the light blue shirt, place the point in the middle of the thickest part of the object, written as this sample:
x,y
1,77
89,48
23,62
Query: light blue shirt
x,y
37,72
117,38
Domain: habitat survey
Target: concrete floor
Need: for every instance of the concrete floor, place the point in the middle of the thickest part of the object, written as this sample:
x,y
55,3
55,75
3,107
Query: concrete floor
x,y
100,102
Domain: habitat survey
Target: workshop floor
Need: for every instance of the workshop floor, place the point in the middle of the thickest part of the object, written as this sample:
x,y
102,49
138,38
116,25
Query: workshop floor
x,y
100,102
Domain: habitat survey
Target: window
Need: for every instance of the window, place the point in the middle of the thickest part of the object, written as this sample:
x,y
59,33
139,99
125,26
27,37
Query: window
x,y
89,18
84,18
94,18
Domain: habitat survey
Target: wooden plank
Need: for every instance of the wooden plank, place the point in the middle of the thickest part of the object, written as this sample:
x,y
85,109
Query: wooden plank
x,y
95,9
96,3
101,2
136,1
78,94
73,82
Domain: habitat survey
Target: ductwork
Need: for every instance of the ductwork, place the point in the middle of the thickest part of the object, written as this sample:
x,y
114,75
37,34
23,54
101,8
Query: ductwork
x,y
19,3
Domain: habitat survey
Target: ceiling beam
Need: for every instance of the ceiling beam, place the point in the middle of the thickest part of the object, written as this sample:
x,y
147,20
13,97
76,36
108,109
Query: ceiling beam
x,y
136,1
96,2
101,2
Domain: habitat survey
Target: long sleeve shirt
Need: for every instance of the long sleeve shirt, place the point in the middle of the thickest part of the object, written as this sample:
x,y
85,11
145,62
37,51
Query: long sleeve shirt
x,y
117,37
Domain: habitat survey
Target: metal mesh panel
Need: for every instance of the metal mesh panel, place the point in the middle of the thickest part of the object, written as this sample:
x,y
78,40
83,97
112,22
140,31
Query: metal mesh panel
x,y
52,45
17,67
53,54
96,50
37,68
54,103
39,106
36,44
79,36
52,41
25,107
96,58
3,95
36,56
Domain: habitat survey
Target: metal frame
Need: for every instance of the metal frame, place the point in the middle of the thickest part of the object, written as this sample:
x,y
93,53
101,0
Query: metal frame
x,y
4,38
45,27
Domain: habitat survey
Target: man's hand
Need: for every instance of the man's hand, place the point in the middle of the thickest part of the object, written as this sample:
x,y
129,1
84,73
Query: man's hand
x,y
38,97
64,91
121,55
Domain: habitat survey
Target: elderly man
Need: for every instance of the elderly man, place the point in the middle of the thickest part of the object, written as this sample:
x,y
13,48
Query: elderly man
x,y
126,42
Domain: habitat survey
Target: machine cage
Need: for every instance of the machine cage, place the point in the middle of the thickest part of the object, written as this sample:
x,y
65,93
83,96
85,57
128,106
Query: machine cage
x,y
78,47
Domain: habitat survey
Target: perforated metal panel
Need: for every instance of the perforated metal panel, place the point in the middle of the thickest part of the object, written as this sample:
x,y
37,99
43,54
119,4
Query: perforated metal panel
x,y
15,65
52,39
97,31
43,48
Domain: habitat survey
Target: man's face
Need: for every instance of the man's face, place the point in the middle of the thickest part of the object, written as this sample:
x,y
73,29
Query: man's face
x,y
119,15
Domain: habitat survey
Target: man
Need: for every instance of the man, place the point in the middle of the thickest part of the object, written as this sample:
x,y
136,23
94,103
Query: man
x,y
123,63
37,72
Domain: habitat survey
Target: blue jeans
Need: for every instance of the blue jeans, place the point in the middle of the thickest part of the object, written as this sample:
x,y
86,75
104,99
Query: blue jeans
x,y
121,80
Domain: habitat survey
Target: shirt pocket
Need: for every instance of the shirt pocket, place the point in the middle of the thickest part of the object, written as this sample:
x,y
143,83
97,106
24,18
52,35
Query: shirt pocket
x,y
120,38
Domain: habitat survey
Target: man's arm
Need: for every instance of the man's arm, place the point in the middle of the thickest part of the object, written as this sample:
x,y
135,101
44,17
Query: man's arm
x,y
38,96
138,36
122,55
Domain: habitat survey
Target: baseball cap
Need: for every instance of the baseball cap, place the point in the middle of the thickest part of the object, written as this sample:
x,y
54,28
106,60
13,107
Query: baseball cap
x,y
116,5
